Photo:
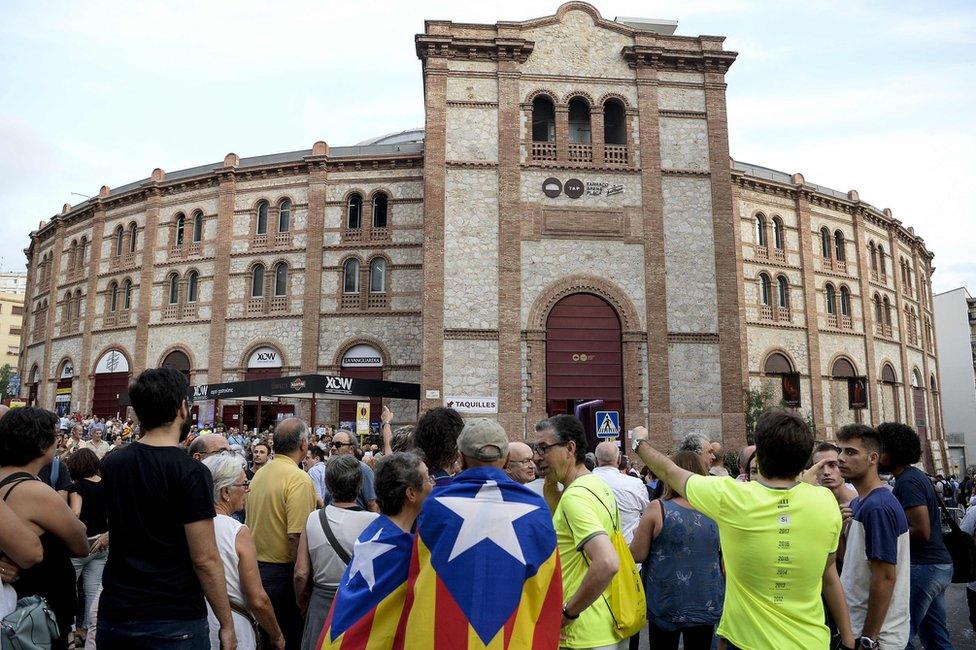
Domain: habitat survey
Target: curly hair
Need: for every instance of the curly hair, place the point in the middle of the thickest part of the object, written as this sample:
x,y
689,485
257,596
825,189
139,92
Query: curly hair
x,y
26,433
394,474
83,463
900,443
436,436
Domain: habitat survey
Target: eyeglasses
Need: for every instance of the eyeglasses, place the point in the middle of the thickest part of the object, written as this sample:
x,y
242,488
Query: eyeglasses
x,y
337,445
521,462
542,448
243,485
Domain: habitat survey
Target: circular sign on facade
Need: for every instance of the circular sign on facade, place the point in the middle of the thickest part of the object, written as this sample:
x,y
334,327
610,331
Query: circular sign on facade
x,y
574,188
264,357
110,362
362,356
552,187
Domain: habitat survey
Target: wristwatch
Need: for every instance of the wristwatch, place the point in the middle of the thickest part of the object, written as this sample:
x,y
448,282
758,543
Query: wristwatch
x,y
868,642
636,443
566,613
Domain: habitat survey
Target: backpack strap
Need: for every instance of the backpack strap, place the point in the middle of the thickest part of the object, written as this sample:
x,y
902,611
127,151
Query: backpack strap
x,y
336,546
615,522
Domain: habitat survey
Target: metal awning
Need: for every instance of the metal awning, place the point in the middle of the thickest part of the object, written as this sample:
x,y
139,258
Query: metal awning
x,y
333,387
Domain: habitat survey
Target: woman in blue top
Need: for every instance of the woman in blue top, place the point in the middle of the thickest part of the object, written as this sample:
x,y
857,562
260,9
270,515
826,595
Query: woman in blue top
x,y
682,569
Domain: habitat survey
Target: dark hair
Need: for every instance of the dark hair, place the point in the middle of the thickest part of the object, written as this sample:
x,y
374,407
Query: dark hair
x,y
83,463
198,446
783,444
25,434
860,432
901,443
394,474
288,436
157,395
402,439
343,477
261,443
569,428
436,435
689,460
316,451
824,445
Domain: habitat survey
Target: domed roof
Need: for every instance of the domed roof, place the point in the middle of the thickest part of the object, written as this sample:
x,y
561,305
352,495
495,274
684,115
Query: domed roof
x,y
400,137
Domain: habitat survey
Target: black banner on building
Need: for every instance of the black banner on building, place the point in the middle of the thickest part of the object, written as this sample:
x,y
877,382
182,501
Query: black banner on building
x,y
791,389
857,392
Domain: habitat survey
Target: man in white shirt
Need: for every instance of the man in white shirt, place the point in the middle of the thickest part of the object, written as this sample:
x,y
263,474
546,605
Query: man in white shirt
x,y
97,445
630,492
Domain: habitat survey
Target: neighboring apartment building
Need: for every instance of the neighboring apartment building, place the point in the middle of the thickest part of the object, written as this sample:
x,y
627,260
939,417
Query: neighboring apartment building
x,y
13,282
955,333
11,319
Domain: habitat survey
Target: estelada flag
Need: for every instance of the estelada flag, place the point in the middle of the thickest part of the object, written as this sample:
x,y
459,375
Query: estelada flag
x,y
485,571
368,608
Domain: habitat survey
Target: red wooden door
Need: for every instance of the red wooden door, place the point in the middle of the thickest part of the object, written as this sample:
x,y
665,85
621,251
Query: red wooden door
x,y
105,396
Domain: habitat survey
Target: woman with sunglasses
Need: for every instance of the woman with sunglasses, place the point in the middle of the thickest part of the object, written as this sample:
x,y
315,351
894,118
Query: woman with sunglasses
x,y
248,600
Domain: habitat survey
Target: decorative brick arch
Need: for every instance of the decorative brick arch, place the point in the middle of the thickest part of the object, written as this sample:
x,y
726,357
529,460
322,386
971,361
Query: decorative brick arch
x,y
583,283
261,343
57,369
582,94
112,346
777,350
837,357
549,93
620,98
179,347
632,336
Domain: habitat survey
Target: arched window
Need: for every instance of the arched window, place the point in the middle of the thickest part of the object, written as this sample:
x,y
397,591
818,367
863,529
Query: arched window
x,y
127,294
614,123
543,120
281,279
174,288
73,255
887,310
882,266
761,230
257,281
180,229
888,374
779,241
119,240
783,292
878,309
262,225
765,290
77,303
579,121
825,243
350,276
845,301
377,275
198,226
133,229
840,246
379,210
874,256
354,212
843,368
831,299
777,364
113,292
284,215
82,250
66,308
192,284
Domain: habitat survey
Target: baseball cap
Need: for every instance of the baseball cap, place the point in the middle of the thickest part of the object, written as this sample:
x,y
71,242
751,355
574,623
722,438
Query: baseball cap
x,y
483,439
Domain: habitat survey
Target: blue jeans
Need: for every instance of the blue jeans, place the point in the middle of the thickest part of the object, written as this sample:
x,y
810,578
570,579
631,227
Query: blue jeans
x,y
89,569
927,606
153,635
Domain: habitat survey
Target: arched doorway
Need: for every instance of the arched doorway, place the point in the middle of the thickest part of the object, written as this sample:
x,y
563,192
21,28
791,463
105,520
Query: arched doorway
x,y
32,387
264,363
111,379
780,379
584,360
62,394
362,361
842,370
178,360
890,407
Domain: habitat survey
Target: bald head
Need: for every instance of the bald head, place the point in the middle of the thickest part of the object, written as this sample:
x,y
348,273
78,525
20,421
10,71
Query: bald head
x,y
291,437
520,467
744,457
607,453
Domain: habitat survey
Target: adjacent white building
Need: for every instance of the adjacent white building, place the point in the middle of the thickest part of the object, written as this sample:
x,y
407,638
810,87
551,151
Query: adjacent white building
x,y
955,333
13,282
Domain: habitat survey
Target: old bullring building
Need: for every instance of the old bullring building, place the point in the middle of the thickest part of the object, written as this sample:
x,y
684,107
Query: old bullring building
x,y
567,233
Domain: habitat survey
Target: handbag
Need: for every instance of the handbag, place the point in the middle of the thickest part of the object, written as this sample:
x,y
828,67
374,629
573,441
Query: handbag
x,y
962,547
625,597
31,626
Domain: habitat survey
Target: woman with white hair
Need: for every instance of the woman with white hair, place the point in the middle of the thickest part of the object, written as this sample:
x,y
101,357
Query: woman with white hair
x,y
248,600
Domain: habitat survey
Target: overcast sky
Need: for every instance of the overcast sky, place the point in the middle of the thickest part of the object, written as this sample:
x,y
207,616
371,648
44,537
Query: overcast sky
x,y
873,96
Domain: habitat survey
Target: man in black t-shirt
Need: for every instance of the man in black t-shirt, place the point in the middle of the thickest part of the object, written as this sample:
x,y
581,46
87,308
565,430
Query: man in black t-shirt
x,y
931,570
163,558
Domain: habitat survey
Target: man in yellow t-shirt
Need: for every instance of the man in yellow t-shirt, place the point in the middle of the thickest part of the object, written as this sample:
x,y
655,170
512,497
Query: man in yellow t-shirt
x,y
778,539
281,498
583,524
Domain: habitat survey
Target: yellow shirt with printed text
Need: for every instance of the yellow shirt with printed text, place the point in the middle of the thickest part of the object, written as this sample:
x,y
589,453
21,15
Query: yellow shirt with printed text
x,y
775,544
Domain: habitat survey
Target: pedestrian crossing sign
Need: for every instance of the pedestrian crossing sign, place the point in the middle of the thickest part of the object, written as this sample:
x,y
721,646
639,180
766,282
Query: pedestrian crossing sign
x,y
607,424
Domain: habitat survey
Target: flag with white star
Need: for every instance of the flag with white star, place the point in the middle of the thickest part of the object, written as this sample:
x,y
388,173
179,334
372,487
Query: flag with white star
x,y
369,602
485,572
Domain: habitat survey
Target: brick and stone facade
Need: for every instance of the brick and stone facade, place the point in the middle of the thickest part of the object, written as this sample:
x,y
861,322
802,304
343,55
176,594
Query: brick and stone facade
x,y
476,248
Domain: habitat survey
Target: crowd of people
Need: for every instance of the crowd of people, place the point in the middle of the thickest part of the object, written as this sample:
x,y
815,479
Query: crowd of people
x,y
150,533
